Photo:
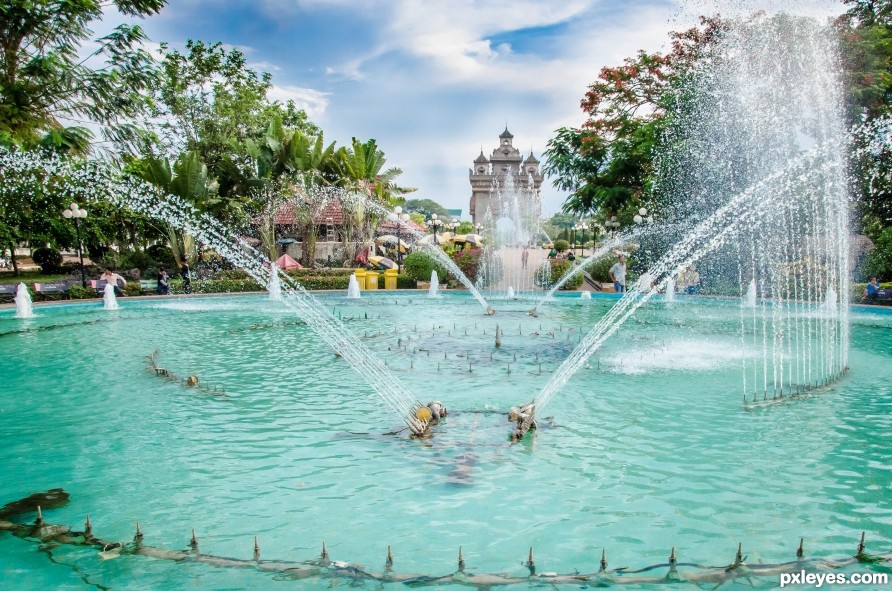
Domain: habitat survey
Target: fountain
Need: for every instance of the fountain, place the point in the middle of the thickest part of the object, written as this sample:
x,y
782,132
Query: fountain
x,y
433,250
510,293
302,460
23,302
432,291
353,288
749,298
670,289
85,182
109,301
275,284
788,218
586,295
502,266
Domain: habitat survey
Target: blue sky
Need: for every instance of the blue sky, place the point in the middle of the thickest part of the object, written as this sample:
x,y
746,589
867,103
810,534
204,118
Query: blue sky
x,y
431,81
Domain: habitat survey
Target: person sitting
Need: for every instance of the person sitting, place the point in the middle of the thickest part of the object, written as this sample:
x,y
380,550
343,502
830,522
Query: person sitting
x,y
163,287
872,291
552,254
115,280
571,257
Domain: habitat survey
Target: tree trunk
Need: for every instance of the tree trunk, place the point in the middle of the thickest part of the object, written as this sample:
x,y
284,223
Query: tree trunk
x,y
15,264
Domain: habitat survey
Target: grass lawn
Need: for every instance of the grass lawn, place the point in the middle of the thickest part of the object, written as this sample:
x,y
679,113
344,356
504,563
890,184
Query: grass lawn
x,y
28,277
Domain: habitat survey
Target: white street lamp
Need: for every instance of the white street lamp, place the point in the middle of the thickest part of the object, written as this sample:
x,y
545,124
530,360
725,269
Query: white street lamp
x,y
76,213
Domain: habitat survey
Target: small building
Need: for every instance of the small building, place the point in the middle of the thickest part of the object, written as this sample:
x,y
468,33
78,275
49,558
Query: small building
x,y
489,173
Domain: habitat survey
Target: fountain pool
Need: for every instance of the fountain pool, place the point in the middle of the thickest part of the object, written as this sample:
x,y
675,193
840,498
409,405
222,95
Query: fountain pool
x,y
651,446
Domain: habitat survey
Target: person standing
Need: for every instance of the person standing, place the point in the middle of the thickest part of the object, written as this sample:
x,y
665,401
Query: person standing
x,y
618,274
163,287
692,281
187,278
113,279
524,257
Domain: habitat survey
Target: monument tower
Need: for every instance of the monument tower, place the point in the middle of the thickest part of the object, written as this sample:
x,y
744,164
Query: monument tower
x,y
488,173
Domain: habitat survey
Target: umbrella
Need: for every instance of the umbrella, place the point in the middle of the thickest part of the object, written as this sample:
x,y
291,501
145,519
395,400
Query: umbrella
x,y
287,263
285,241
391,240
382,262
475,239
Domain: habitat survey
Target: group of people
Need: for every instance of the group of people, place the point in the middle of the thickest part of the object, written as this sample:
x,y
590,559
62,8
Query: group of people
x,y
688,279
162,285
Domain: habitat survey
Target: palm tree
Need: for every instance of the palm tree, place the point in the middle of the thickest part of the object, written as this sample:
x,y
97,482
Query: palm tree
x,y
360,170
188,180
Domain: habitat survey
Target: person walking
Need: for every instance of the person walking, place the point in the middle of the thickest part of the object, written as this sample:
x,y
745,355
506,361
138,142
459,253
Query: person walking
x,y
618,275
187,278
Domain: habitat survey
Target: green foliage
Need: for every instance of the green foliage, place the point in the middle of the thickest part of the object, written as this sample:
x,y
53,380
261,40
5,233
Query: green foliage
x,y
561,245
49,259
46,76
466,228
558,269
136,259
419,265
468,260
426,207
233,275
600,269
161,256
404,281
879,261
132,288
77,292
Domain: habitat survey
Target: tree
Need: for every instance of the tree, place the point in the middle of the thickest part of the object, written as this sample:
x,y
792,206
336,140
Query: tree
x,y
426,207
607,163
188,180
44,81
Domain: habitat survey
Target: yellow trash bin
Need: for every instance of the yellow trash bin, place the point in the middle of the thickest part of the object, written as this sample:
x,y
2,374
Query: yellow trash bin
x,y
371,280
360,277
390,279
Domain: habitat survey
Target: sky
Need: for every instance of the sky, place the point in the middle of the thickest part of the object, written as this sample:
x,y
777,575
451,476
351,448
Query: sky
x,y
432,82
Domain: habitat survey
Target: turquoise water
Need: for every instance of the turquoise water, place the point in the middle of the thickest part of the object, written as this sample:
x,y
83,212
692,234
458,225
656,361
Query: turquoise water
x,y
650,446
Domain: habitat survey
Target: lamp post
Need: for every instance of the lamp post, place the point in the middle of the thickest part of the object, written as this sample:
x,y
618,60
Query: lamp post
x,y
76,213
434,223
400,219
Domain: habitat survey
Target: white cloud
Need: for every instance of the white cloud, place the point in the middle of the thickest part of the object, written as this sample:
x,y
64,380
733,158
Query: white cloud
x,y
314,102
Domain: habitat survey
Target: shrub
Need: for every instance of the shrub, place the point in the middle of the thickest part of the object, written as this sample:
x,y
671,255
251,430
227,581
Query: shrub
x,y
600,269
49,259
76,292
136,259
468,260
162,256
231,274
558,269
561,245
406,282
132,288
420,265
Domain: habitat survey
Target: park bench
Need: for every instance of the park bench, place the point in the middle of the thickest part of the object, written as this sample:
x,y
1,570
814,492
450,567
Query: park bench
x,y
46,290
8,291
148,285
884,296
